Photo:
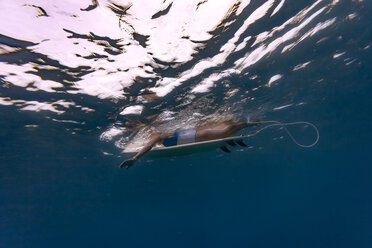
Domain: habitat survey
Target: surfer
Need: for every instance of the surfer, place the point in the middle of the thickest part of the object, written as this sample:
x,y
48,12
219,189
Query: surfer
x,y
203,133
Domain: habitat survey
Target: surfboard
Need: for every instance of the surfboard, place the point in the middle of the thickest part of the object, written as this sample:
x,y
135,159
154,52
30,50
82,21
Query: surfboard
x,y
184,149
196,147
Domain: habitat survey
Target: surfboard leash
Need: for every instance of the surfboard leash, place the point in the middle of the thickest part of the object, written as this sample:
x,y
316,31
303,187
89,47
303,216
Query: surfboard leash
x,y
284,126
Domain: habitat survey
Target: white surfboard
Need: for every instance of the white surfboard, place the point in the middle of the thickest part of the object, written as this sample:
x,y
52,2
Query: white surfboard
x,y
184,149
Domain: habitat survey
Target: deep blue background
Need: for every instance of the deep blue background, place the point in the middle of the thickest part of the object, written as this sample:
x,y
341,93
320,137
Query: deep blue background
x,y
58,190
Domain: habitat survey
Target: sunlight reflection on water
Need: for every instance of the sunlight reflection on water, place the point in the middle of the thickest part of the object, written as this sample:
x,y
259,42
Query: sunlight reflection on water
x,y
153,58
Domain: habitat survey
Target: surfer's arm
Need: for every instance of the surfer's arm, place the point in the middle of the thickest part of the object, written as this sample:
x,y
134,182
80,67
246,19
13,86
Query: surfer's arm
x,y
155,139
148,147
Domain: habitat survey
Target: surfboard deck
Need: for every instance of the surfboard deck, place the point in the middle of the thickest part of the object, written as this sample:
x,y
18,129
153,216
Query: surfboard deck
x,y
184,149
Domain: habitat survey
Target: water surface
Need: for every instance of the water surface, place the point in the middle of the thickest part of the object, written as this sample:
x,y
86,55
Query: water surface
x,y
77,77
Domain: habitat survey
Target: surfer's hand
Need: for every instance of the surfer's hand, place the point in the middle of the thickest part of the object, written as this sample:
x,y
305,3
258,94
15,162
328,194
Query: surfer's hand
x,y
127,163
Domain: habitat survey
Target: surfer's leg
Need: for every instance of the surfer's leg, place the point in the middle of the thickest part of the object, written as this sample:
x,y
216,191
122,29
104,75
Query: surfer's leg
x,y
221,130
233,127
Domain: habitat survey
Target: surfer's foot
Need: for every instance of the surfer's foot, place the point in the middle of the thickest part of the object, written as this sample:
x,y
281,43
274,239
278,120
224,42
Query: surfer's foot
x,y
253,123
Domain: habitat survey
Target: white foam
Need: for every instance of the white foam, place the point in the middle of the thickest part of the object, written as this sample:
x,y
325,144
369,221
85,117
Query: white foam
x,y
111,133
282,107
274,78
5,101
337,55
41,106
170,38
301,66
134,110
280,5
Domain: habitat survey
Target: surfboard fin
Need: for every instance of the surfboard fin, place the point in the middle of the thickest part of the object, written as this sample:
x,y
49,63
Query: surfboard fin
x,y
231,143
241,143
224,148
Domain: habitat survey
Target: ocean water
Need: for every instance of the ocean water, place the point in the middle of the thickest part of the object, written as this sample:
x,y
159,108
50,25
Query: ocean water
x,y
80,78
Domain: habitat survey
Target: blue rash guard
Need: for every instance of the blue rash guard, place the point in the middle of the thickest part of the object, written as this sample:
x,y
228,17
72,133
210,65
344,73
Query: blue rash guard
x,y
181,137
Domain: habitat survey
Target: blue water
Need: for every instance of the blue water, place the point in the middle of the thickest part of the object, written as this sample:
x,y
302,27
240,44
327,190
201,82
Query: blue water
x,y
59,181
